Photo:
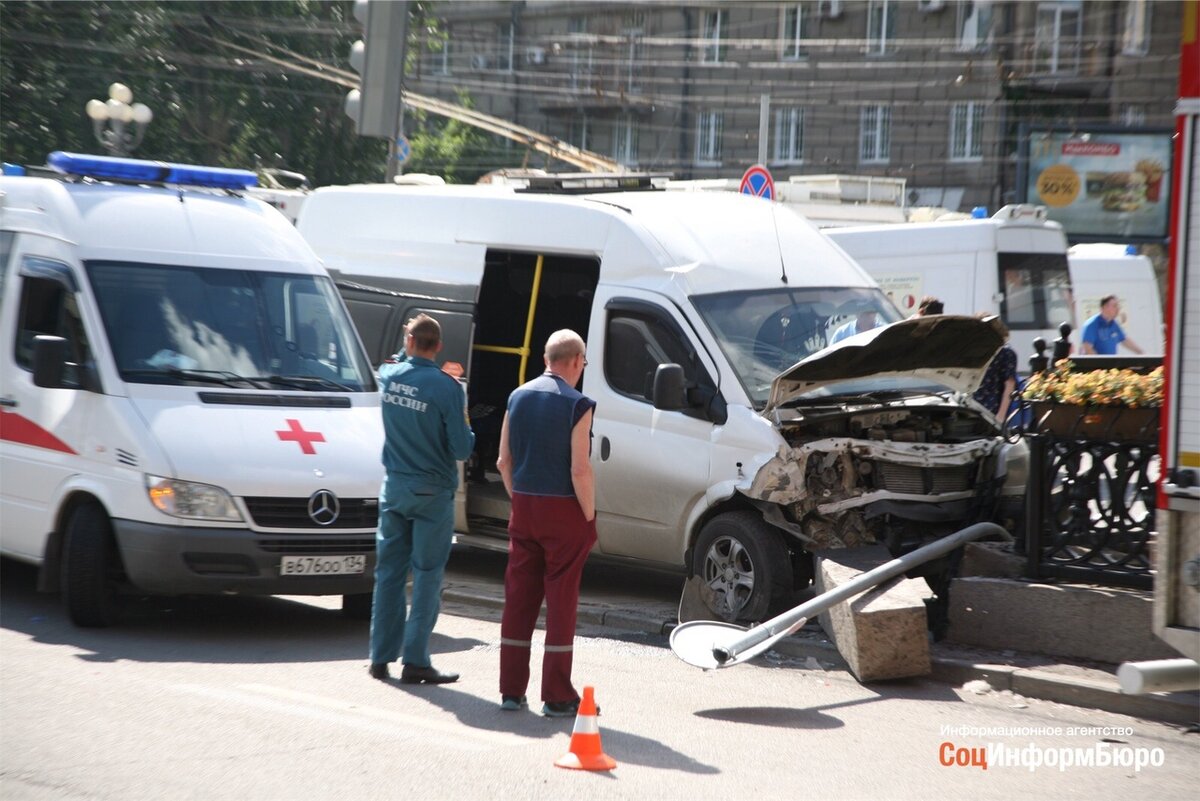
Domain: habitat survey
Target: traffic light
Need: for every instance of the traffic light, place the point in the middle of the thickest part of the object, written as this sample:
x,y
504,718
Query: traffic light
x,y
379,58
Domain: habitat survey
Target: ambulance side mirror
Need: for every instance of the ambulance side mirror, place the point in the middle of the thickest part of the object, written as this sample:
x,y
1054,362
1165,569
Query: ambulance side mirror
x,y
670,392
49,361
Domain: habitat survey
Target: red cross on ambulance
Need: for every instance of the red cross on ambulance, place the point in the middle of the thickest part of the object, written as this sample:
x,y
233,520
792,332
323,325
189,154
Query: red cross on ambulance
x,y
295,433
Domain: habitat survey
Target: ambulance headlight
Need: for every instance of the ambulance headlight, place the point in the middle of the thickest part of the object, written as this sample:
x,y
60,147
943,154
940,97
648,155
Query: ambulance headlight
x,y
189,499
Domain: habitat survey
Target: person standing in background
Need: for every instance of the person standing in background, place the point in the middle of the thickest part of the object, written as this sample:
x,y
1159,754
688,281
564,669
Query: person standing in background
x,y
1102,333
999,381
545,450
929,305
426,433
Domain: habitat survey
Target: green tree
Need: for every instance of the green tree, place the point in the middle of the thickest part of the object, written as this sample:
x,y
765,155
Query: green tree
x,y
211,104
458,152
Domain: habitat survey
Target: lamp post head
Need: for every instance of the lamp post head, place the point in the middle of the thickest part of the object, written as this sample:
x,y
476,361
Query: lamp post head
x,y
97,110
120,92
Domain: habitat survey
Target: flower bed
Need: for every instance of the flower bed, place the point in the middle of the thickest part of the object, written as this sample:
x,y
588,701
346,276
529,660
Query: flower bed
x,y
1114,405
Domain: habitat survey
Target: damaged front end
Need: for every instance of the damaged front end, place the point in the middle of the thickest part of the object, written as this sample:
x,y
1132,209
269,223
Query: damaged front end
x,y
897,476
884,442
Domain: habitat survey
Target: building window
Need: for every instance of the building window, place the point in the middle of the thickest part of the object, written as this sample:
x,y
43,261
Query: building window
x,y
966,131
974,25
437,60
633,60
1135,39
793,30
625,140
881,26
582,53
580,134
789,135
1133,114
708,138
875,134
1056,39
505,47
713,51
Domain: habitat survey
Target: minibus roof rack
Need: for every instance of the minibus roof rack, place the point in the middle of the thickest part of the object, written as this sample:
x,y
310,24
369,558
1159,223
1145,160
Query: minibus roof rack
x,y
578,183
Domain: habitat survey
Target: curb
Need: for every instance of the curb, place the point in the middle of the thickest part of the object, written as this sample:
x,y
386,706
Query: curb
x,y
1174,708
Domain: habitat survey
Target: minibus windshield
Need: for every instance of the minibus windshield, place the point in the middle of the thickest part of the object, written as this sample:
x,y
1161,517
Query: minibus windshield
x,y
236,328
763,332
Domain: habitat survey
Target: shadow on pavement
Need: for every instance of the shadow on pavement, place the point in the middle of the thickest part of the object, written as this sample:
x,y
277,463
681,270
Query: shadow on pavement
x,y
622,746
209,629
814,717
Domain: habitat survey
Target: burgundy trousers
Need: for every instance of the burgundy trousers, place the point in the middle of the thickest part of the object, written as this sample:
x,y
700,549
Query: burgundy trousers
x,y
548,543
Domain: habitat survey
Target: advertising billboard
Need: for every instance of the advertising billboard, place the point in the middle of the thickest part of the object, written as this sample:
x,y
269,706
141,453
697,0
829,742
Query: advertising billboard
x,y
1110,184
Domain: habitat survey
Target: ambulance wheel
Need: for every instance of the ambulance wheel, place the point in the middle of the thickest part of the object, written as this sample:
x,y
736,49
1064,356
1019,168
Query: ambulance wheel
x,y
90,569
743,566
357,606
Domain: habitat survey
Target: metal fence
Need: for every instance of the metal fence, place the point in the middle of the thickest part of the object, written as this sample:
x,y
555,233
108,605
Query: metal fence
x,y
1090,513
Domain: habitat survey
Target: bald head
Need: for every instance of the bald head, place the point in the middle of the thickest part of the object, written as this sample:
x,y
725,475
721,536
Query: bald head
x,y
563,346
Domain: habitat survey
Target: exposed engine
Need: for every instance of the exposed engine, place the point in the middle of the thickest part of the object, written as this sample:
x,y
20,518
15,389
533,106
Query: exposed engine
x,y
899,475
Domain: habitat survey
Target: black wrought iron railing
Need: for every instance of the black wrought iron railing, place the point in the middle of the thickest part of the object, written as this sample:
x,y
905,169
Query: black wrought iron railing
x,y
1093,472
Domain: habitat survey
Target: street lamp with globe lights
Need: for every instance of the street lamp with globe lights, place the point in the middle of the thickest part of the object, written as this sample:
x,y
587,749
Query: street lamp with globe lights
x,y
117,111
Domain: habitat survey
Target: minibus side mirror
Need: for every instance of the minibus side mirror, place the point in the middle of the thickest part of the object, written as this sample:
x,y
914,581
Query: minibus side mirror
x,y
670,392
49,361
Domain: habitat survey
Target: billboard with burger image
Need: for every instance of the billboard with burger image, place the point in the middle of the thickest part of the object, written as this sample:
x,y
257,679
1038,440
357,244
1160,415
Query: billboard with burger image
x,y
1110,184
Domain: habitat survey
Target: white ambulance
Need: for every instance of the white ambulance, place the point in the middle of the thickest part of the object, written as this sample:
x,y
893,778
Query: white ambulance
x,y
185,406
1016,264
731,438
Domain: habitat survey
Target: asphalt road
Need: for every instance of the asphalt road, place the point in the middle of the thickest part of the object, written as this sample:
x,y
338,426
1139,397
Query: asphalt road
x,y
268,698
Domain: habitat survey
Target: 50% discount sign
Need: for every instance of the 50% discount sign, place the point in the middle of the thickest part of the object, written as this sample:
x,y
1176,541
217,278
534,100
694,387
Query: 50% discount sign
x,y
1058,185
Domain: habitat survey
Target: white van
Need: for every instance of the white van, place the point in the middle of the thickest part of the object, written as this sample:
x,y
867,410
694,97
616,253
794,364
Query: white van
x,y
727,440
1015,264
185,404
1098,270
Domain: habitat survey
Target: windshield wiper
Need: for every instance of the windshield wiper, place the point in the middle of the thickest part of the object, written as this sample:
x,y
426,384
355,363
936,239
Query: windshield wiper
x,y
304,382
222,377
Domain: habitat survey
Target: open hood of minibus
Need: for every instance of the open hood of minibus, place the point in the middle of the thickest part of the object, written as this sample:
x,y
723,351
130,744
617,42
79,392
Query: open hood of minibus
x,y
951,351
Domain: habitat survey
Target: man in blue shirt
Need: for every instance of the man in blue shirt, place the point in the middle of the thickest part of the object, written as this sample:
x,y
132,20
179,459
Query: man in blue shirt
x,y
1102,333
426,433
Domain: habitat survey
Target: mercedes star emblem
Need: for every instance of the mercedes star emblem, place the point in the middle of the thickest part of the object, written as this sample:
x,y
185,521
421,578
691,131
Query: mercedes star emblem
x,y
324,507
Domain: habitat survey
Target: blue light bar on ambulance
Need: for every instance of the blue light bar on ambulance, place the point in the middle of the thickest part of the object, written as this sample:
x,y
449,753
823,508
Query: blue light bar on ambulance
x,y
150,171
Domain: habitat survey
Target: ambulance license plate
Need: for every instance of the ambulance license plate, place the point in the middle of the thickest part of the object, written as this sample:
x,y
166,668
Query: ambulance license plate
x,y
322,565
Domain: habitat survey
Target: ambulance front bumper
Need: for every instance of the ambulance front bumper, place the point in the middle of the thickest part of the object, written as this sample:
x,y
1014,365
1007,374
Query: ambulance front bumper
x,y
186,560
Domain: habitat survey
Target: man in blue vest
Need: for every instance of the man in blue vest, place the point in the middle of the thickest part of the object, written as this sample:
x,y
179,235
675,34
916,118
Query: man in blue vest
x,y
545,449
1102,333
426,434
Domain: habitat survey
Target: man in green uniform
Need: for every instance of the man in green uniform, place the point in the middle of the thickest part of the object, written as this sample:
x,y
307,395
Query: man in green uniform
x,y
426,434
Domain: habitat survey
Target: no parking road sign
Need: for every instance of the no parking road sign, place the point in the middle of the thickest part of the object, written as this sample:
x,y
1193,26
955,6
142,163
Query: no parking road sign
x,y
758,182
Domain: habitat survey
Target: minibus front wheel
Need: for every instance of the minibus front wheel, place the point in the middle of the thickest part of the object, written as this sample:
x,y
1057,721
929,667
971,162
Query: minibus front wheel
x,y
90,568
743,565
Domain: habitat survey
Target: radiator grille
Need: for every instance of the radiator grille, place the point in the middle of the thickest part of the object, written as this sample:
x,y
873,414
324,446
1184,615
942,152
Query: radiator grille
x,y
302,546
923,480
293,513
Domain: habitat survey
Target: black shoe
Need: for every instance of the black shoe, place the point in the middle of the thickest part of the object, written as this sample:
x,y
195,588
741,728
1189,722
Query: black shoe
x,y
426,675
379,670
563,709
513,703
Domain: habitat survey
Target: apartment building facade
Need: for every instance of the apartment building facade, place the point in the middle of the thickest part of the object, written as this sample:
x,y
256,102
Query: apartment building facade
x,y
933,91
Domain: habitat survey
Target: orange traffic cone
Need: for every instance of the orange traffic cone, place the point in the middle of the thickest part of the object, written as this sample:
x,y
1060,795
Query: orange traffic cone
x,y
586,752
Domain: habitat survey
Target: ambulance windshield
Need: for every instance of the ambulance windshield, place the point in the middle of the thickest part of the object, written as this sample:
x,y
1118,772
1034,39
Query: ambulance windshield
x,y
238,328
766,331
